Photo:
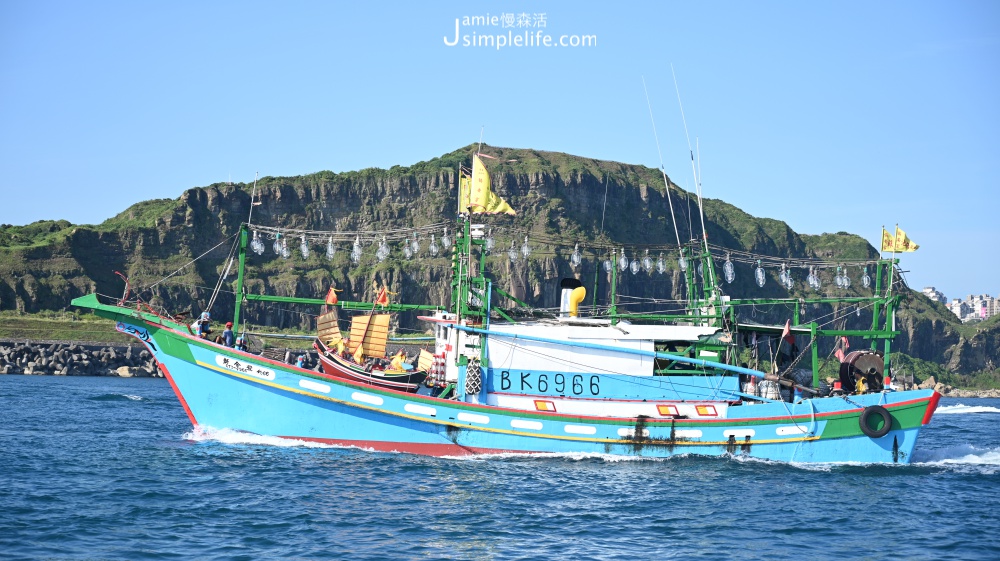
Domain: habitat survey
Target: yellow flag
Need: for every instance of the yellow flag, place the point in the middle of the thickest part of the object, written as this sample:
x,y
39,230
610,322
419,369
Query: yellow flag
x,y
903,243
464,188
888,242
482,200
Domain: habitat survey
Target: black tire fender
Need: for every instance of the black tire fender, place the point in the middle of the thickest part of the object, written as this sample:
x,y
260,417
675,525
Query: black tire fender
x,y
879,411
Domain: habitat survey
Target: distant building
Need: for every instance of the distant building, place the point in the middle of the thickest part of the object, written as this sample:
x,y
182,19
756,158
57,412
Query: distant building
x,y
935,294
959,308
976,307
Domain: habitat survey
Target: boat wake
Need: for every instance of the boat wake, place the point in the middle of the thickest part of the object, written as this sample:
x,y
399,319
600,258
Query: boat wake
x,y
229,436
962,409
962,457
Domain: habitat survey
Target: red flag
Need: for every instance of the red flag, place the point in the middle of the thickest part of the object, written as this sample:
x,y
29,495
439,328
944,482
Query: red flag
x,y
786,333
331,297
846,344
383,297
839,354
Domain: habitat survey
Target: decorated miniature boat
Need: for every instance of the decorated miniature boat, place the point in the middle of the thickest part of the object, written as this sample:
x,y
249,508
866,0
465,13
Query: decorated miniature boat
x,y
370,334
635,385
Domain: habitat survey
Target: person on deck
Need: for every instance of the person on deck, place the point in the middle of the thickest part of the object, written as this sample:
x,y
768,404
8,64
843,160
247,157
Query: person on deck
x,y
228,338
202,327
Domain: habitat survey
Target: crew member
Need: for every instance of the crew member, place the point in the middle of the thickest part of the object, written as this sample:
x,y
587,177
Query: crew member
x,y
201,327
228,338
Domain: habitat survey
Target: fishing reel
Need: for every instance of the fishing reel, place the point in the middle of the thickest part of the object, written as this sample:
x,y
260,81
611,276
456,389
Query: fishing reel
x,y
861,372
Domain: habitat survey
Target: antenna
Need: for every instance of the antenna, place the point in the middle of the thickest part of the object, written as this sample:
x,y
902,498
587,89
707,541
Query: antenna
x,y
253,196
481,130
694,170
597,270
604,210
666,181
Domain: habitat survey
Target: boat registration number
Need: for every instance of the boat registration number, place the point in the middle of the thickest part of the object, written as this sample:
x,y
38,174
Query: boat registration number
x,y
558,383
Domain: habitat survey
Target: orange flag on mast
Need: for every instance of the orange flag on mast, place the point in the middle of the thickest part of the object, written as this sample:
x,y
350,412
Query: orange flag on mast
x,y
331,297
786,333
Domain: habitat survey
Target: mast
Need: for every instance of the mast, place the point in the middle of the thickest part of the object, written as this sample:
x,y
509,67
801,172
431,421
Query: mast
x,y
239,277
240,271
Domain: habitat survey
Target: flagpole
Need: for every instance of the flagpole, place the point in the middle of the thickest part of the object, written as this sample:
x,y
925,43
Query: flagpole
x,y
881,241
895,235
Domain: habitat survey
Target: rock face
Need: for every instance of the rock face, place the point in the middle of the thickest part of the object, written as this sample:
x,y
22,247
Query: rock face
x,y
557,197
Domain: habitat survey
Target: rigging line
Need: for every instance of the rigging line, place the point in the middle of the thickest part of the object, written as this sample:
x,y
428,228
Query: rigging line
x,y
253,196
224,275
199,287
184,266
666,181
604,210
346,235
687,199
751,258
845,314
697,178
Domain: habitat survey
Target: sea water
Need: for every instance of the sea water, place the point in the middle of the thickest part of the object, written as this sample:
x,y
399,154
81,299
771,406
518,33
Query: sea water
x,y
107,468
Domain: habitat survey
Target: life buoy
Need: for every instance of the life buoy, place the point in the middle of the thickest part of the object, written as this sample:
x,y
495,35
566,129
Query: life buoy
x,y
867,414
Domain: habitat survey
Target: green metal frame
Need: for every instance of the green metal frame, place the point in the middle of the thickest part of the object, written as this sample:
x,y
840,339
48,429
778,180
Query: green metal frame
x,y
345,305
705,304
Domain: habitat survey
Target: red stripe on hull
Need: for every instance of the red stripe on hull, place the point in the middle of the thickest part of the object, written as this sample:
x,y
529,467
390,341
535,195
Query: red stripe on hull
x,y
931,408
166,374
423,449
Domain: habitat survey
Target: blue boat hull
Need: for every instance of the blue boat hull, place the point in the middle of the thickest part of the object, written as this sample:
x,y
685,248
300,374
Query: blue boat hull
x,y
223,388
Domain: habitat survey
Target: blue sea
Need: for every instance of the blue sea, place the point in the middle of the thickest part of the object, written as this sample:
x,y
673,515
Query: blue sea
x,y
109,468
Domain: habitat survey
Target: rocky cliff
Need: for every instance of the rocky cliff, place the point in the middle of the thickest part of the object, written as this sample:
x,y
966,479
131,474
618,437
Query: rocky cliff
x,y
560,201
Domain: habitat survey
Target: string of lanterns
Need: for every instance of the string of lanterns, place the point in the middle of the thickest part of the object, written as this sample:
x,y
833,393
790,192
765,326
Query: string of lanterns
x,y
415,240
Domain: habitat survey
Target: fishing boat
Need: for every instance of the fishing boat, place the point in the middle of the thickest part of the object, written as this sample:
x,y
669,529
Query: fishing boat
x,y
630,384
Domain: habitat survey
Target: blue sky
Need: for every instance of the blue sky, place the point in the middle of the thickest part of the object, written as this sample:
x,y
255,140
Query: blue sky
x,y
831,116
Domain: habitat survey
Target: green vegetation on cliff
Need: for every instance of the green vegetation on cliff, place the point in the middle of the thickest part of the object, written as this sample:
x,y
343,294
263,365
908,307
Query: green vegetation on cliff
x,y
558,196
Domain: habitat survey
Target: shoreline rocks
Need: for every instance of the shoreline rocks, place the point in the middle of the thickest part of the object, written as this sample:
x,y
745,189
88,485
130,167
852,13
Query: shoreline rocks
x,y
76,359
102,359
948,391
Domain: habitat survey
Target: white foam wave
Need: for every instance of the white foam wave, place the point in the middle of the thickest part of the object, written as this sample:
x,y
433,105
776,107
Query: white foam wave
x,y
960,455
132,397
229,436
961,409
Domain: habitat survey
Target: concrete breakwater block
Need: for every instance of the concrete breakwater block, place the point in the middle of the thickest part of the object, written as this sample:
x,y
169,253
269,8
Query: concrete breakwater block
x,y
74,359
